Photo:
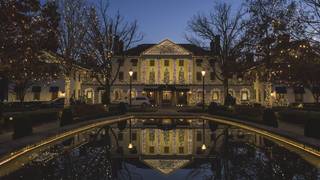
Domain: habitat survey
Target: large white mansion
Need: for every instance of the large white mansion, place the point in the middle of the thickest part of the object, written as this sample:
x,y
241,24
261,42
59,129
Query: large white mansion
x,y
169,74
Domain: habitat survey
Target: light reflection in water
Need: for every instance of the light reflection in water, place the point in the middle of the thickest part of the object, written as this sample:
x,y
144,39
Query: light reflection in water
x,y
170,149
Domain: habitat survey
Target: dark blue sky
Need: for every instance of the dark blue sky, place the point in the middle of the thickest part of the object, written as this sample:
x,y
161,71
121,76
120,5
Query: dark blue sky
x,y
161,19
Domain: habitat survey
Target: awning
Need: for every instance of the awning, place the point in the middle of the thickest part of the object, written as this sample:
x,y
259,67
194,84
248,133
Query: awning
x,y
168,87
281,90
298,90
182,88
54,89
151,88
36,89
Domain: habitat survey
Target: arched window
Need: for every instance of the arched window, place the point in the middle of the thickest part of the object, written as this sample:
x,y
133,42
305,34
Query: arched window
x,y
215,95
244,95
133,93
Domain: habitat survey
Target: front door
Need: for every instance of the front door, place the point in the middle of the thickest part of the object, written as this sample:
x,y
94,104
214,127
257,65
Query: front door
x,y
166,97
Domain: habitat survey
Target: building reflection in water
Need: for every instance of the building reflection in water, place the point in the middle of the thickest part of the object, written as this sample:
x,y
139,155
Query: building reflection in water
x,y
168,149
170,144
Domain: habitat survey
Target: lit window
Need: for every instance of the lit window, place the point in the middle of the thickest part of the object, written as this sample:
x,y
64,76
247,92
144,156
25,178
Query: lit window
x,y
151,149
244,96
181,150
166,63
181,62
166,149
151,62
215,95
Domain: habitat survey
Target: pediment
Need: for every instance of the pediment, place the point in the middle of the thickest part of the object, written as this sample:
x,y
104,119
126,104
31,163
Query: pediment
x,y
166,47
166,166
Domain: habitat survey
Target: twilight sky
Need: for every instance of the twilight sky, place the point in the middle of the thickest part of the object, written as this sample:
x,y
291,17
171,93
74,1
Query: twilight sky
x,y
161,19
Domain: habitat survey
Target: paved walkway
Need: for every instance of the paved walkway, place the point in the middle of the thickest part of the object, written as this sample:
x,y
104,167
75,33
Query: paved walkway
x,y
6,137
291,127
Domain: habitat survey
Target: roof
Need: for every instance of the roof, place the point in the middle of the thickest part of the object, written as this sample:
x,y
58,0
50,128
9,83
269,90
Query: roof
x,y
196,50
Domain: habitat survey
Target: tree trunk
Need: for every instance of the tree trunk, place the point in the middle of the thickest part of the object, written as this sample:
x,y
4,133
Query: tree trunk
x,y
225,89
268,98
106,99
67,89
21,97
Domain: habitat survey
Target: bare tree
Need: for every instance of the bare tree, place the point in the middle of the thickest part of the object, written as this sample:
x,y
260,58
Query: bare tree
x,y
226,32
310,16
73,30
107,39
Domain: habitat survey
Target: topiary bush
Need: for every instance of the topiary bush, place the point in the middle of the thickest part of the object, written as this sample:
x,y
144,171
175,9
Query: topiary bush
x,y
312,128
269,118
248,110
22,126
66,117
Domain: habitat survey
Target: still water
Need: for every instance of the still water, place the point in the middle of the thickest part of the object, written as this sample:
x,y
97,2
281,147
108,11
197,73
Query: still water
x,y
169,149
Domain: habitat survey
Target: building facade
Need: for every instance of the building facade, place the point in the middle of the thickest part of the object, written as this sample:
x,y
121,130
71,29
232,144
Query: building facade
x,y
169,74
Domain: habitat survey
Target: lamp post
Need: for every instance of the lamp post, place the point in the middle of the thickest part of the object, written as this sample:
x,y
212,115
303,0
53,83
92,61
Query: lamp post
x,y
130,74
203,147
203,72
130,146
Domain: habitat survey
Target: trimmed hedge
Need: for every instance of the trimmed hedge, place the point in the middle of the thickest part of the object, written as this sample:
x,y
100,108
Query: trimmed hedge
x,y
310,120
37,117
269,118
66,117
298,116
22,126
312,128
245,113
86,112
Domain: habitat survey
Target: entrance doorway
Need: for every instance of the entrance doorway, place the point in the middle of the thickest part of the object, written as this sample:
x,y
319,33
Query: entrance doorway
x,y
166,97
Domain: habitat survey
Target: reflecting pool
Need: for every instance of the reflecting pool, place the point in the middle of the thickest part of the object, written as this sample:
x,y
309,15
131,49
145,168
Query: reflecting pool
x,y
167,149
